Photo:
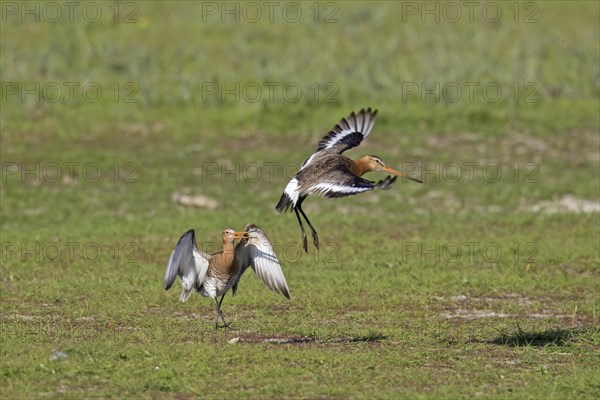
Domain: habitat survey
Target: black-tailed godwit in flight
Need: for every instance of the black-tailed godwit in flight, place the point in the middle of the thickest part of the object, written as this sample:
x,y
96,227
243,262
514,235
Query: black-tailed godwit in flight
x,y
330,174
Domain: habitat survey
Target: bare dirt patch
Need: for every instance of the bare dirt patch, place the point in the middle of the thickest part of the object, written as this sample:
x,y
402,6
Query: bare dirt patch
x,y
303,340
566,204
508,305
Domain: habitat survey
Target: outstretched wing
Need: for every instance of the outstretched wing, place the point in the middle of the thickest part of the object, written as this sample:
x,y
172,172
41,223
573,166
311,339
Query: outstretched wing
x,y
350,131
188,263
258,253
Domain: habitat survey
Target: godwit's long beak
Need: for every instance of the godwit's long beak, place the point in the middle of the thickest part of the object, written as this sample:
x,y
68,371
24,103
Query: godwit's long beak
x,y
393,171
240,235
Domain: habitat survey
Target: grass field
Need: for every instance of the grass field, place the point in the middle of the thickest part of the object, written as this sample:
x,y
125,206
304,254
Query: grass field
x,y
482,282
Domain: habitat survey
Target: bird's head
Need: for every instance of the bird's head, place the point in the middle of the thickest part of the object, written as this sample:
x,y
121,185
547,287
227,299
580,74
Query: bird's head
x,y
252,231
229,235
374,163
250,228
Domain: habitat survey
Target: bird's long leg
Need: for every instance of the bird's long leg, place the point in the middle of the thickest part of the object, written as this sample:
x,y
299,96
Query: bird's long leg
x,y
304,240
220,313
217,320
314,232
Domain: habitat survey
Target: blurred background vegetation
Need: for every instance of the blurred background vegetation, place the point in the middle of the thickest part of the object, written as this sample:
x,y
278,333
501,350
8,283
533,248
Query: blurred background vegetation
x,y
159,65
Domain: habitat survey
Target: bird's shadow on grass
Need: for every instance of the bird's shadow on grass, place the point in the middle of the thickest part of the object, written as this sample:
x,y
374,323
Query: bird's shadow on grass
x,y
521,338
557,337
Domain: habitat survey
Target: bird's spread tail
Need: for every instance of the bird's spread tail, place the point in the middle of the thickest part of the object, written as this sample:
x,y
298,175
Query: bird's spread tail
x,y
289,197
285,203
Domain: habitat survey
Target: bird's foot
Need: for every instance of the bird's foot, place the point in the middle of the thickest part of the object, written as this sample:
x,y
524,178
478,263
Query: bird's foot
x,y
304,243
224,326
315,239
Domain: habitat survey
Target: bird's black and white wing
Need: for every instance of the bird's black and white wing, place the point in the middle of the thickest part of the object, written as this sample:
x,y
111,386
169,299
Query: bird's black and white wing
x,y
188,263
257,252
349,132
348,184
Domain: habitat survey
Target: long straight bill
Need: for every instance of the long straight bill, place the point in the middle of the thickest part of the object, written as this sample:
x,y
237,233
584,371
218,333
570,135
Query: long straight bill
x,y
240,235
398,173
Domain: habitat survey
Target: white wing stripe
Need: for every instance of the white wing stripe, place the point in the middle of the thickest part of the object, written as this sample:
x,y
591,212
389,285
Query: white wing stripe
x,y
307,161
325,187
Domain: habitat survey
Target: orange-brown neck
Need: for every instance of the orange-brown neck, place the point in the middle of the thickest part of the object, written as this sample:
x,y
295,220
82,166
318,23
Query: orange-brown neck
x,y
221,263
228,250
361,166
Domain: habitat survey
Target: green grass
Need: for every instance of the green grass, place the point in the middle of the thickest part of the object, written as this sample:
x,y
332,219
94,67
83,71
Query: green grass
x,y
401,301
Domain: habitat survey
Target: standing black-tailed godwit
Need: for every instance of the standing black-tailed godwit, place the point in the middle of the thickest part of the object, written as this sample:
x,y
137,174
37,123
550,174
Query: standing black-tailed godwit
x,y
330,174
212,275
